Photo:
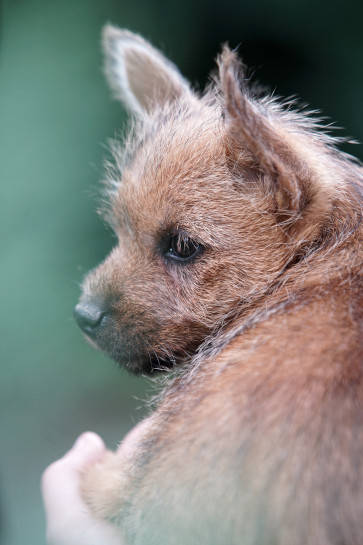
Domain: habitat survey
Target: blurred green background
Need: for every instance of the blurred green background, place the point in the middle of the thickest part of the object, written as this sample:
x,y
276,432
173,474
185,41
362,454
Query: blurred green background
x,y
55,113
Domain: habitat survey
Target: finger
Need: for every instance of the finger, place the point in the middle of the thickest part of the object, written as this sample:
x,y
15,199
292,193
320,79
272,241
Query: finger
x,y
60,481
69,521
87,449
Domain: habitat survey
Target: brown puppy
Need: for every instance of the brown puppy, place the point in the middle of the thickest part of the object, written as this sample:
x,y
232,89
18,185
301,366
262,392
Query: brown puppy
x,y
239,265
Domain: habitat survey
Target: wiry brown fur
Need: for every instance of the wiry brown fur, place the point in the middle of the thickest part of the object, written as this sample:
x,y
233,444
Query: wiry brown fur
x,y
258,438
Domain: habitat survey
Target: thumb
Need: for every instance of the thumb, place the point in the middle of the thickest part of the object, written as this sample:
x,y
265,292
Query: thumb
x,y
87,449
60,481
68,520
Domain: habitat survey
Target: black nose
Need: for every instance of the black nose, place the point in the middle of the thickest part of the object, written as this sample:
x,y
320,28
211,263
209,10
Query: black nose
x,y
89,317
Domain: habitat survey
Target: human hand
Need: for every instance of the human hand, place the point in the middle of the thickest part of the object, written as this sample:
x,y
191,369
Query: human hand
x,y
69,521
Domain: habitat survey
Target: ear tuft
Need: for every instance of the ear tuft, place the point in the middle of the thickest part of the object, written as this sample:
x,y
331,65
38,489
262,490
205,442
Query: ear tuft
x,y
139,75
232,75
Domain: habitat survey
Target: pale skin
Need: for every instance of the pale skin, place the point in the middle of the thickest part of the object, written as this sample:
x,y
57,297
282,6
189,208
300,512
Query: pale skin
x,y
69,521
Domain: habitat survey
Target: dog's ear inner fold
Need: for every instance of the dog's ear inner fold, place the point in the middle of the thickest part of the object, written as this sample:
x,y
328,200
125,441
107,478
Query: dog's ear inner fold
x,y
139,75
251,127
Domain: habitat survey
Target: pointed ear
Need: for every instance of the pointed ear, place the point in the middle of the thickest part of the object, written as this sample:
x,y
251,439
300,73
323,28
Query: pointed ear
x,y
139,75
254,129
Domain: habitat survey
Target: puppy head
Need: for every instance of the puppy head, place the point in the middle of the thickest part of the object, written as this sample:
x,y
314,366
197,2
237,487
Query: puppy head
x,y
197,197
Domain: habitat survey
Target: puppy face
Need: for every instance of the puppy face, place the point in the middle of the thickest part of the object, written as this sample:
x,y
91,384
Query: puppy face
x,y
194,209
189,244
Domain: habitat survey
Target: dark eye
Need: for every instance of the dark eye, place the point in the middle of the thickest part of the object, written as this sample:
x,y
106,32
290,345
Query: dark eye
x,y
183,248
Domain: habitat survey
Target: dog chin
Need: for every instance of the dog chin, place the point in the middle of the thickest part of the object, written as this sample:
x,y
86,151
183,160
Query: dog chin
x,y
143,365
138,363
